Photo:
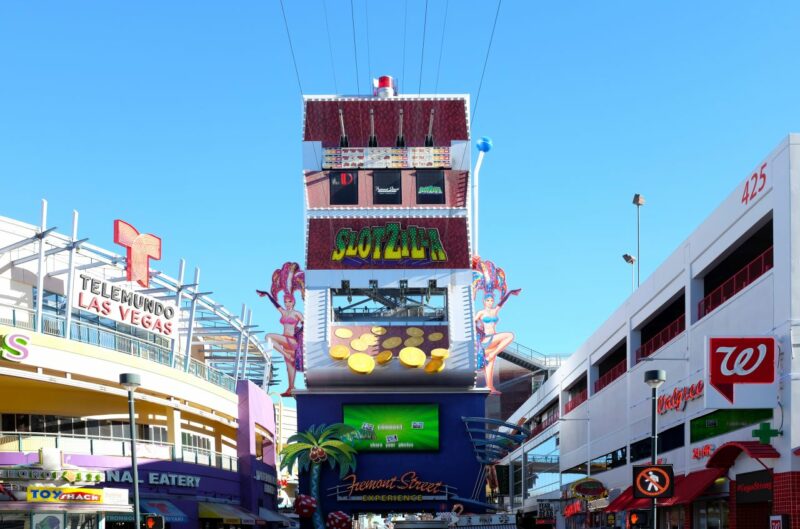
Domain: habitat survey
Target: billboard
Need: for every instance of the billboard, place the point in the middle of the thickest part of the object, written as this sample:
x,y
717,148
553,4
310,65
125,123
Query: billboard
x,y
340,244
386,158
740,372
389,427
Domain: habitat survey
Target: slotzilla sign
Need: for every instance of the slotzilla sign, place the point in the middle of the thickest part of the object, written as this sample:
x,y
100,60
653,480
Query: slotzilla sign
x,y
123,305
336,244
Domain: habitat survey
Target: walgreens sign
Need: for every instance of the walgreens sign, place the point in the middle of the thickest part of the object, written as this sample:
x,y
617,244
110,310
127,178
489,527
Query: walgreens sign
x,y
741,372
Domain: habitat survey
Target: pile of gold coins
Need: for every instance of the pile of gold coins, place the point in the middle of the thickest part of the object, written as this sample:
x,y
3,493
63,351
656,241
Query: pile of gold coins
x,y
370,350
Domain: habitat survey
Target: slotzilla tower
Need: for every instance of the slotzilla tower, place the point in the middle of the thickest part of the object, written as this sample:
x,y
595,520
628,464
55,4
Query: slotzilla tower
x,y
389,333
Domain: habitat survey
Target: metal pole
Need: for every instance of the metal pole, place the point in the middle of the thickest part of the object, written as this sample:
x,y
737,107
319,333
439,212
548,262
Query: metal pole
x,y
475,192
239,343
638,251
176,340
135,468
190,327
246,345
633,281
653,451
40,277
71,276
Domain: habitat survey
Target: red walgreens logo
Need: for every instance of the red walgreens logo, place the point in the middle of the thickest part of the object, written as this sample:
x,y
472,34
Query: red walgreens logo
x,y
740,361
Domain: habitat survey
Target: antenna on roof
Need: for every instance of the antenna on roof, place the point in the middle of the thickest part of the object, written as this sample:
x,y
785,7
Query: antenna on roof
x,y
343,138
401,141
373,140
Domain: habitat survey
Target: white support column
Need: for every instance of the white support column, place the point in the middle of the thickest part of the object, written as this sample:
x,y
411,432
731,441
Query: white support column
x,y
239,344
177,339
475,215
71,276
246,344
40,278
190,328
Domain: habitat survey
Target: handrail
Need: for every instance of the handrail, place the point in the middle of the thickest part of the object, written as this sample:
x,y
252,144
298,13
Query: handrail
x,y
662,338
544,425
93,334
114,446
613,374
576,401
736,283
548,361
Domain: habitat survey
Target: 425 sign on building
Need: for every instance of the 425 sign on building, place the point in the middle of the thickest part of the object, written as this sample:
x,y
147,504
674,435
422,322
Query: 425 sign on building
x,y
738,369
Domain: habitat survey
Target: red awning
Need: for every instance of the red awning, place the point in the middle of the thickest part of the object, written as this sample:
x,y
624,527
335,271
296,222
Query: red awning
x,y
725,455
690,486
619,503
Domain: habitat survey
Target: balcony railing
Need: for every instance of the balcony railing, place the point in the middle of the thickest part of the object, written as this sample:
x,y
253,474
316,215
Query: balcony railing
x,y
93,334
666,335
610,376
113,446
544,425
736,283
576,401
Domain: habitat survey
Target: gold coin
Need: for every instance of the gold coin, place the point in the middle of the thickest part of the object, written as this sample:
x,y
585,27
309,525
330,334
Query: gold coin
x,y
412,357
343,332
391,343
414,341
368,338
379,331
434,366
415,331
440,353
359,345
361,363
435,336
384,357
339,352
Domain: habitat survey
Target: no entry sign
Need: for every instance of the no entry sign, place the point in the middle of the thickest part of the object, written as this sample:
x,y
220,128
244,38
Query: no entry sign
x,y
653,481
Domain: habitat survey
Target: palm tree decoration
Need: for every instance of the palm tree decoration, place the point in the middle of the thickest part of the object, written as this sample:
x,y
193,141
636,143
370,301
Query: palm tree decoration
x,y
310,449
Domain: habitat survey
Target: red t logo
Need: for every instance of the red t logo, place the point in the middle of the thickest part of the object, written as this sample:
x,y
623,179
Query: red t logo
x,y
141,248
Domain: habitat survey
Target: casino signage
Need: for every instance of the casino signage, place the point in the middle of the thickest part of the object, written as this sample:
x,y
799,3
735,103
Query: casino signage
x,y
405,487
335,244
124,306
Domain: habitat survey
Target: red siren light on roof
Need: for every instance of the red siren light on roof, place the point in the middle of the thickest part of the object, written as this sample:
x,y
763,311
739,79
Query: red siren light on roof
x,y
384,86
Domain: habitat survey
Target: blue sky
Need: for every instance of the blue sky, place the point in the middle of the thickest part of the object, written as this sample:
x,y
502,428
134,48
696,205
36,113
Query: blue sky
x,y
184,118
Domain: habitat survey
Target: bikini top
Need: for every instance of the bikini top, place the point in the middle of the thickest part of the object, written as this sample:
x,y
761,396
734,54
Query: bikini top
x,y
490,319
288,320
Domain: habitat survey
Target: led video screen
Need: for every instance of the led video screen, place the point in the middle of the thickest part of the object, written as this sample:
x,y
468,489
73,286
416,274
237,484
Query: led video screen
x,y
389,427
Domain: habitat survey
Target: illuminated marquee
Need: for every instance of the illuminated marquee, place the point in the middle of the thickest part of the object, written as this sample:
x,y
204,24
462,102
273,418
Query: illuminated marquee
x,y
400,243
389,243
406,487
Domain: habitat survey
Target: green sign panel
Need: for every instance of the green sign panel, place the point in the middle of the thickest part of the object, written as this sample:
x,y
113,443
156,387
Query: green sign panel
x,y
390,427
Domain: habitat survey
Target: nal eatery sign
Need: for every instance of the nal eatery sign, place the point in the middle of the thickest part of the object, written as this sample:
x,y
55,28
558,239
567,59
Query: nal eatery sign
x,y
403,488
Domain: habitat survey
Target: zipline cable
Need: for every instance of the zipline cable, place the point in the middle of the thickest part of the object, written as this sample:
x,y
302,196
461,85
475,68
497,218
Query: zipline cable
x,y
355,48
291,49
486,61
422,54
330,46
441,47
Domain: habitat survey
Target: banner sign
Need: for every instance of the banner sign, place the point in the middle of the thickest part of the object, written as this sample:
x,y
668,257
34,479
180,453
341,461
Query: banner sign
x,y
338,244
386,158
64,495
405,487
32,474
754,487
738,370
109,300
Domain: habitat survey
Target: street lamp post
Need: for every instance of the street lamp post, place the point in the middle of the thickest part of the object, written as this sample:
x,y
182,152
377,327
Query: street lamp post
x,y
131,381
638,201
630,260
654,379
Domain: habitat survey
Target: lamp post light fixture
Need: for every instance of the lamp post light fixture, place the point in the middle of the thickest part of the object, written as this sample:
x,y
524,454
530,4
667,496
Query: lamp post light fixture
x,y
638,201
131,381
630,260
654,378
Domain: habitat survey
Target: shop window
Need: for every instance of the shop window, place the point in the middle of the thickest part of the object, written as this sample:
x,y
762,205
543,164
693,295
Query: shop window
x,y
541,468
51,424
613,459
9,422
430,187
669,439
23,423
724,421
710,515
343,188
389,304
386,188
516,482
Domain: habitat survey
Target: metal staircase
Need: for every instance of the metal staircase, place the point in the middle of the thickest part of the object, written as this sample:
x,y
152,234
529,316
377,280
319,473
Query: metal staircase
x,y
530,359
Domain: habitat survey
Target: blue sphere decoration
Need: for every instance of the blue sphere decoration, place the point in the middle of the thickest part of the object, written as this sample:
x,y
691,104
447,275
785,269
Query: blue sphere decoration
x,y
484,144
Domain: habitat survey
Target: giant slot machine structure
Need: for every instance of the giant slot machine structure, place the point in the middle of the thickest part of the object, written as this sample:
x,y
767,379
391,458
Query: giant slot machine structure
x,y
389,336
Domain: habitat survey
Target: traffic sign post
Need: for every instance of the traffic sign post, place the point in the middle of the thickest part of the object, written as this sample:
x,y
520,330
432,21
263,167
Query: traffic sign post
x,y
653,481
